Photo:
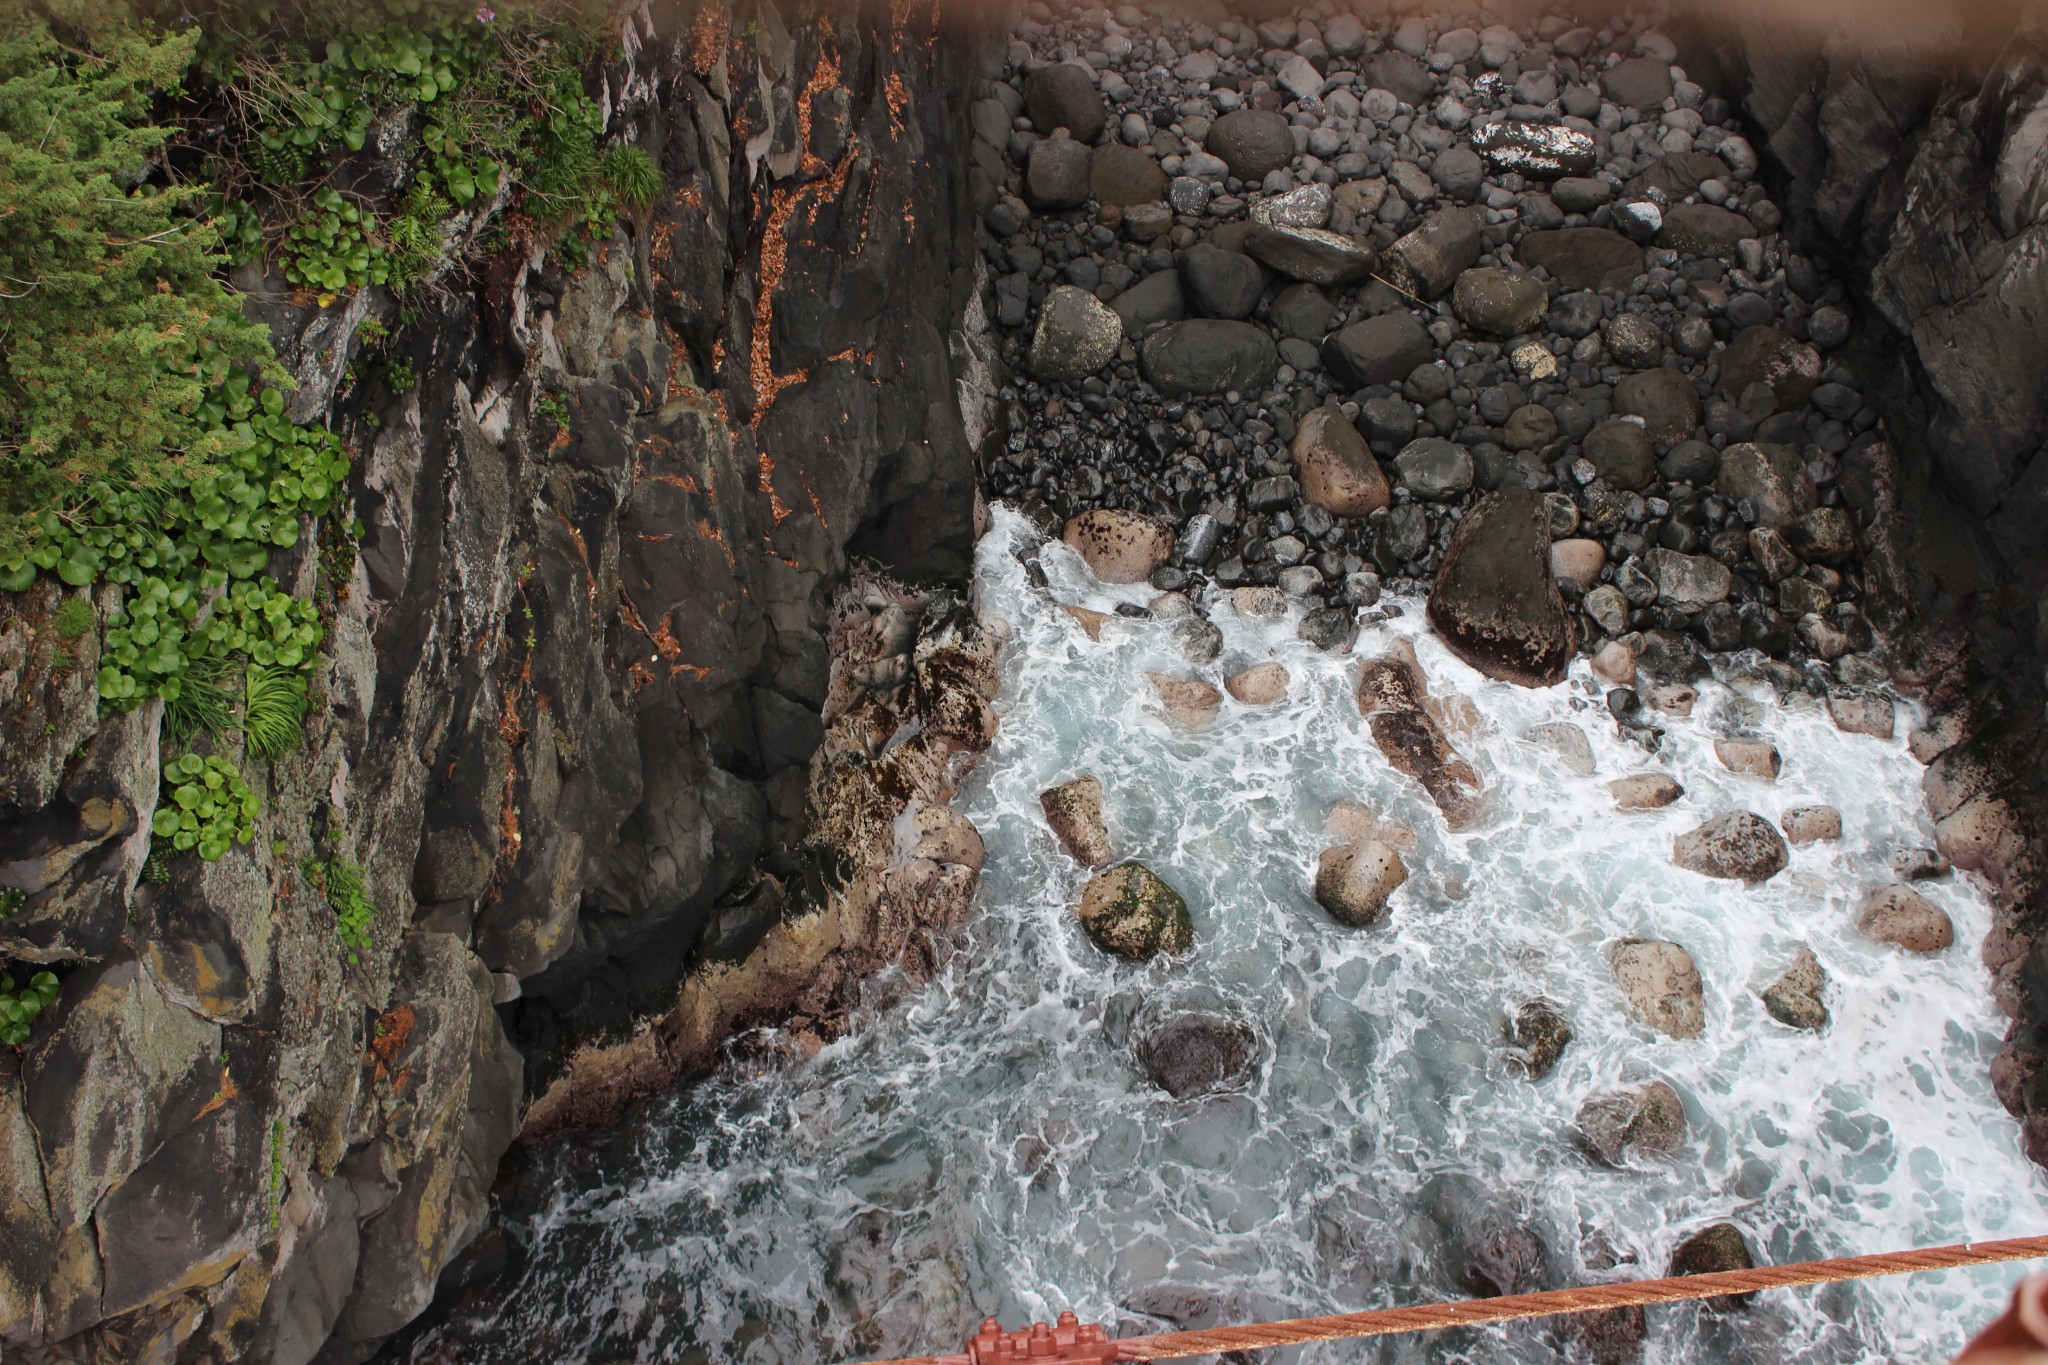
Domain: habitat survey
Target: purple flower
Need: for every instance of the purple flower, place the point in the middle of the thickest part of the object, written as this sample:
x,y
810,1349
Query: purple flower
x,y
484,14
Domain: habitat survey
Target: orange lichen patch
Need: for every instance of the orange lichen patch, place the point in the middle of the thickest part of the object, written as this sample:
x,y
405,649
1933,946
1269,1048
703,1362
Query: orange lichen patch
x,y
775,503
697,671
825,76
774,258
661,248
583,553
511,728
394,1027
816,507
228,1091
662,539
707,38
640,675
711,533
689,196
899,100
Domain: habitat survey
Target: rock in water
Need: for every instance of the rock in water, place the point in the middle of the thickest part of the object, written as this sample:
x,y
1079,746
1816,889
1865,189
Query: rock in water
x,y
1063,96
1206,355
1074,810
1903,917
1494,601
1353,881
1199,1054
1120,547
1751,757
1811,824
1189,702
1739,846
1540,1033
1648,1118
1797,998
1717,1248
1129,911
1662,985
1337,470
1077,335
1259,685
1392,696
1251,142
1644,791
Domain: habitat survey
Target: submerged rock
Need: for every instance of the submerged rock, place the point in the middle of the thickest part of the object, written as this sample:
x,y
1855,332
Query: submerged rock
x,y
1355,880
1811,824
1393,698
1739,845
1644,791
1494,601
1195,1054
1130,912
1189,701
1566,743
1074,811
1350,821
1713,1249
1259,685
1661,984
1648,1118
1901,916
1539,1033
1797,998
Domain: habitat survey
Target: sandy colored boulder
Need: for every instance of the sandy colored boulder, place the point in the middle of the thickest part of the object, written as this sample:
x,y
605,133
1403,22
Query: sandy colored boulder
x,y
1903,917
944,835
1189,702
1120,547
1811,824
1074,811
1673,699
1798,998
1131,912
1647,1118
1863,713
1661,984
1336,470
1615,662
1751,757
1566,743
1644,791
1259,685
1353,881
1255,602
1740,846
1351,821
1091,622
1578,560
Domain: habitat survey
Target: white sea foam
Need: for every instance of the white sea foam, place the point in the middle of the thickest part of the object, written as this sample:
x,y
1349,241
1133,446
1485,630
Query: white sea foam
x,y
987,1145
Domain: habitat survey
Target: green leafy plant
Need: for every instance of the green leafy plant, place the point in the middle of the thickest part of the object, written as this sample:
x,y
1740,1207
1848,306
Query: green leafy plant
x,y
399,375
20,1004
273,710
75,618
554,408
348,894
12,898
208,807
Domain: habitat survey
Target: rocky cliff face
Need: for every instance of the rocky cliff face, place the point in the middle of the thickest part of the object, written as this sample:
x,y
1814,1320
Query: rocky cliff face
x,y
1924,177
574,688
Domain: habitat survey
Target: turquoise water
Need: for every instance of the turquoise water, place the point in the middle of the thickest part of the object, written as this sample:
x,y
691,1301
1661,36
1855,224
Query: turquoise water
x,y
986,1143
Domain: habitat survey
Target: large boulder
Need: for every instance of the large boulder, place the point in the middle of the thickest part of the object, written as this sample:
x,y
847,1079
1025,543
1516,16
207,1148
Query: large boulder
x,y
1260,685
1739,846
1063,95
1765,355
1151,302
1130,912
1703,229
1354,881
1714,1250
1501,303
1219,283
1077,335
1583,258
1664,399
1380,350
1207,356
1125,176
1074,811
1315,255
1772,478
1494,601
1336,469
1639,83
1189,702
1120,547
1645,791
1661,985
1904,918
1056,175
1430,259
1252,142
1645,1118
1191,1054
1621,453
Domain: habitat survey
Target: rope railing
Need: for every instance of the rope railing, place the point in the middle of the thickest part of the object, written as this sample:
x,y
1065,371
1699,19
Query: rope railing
x,y
1511,1307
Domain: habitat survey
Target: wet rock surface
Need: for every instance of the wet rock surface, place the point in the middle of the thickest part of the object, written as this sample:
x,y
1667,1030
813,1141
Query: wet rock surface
x,y
1131,912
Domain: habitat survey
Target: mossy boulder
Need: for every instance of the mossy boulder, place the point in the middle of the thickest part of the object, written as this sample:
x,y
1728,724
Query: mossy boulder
x,y
1131,912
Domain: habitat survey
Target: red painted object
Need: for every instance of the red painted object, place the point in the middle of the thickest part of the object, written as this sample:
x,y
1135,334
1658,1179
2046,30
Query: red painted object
x,y
1068,1340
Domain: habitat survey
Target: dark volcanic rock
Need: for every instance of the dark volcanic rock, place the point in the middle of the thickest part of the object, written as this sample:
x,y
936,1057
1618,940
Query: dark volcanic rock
x,y
1315,255
1251,142
1494,601
1155,299
1542,151
1219,283
1391,696
1076,336
1501,303
1540,1033
1125,176
1063,96
1204,356
1716,1248
1380,350
1704,229
1195,1054
1766,355
1638,83
1429,260
1583,258
1664,399
1621,451
1400,73
1056,176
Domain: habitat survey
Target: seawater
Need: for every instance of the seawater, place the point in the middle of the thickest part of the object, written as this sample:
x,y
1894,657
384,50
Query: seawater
x,y
986,1143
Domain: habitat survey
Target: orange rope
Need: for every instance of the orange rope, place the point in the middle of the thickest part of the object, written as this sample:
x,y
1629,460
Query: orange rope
x,y
1585,1299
